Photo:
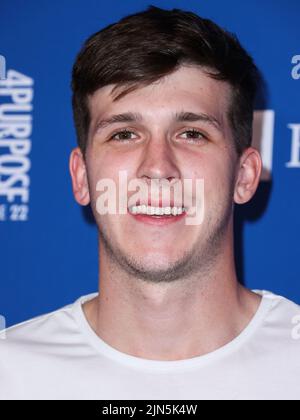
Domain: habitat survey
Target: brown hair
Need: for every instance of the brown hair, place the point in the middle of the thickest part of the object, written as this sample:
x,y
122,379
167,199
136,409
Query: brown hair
x,y
143,47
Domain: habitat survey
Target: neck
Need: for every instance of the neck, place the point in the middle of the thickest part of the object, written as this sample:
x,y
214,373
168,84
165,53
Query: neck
x,y
173,321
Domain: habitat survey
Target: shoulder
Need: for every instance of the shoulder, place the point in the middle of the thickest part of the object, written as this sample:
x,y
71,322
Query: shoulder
x,y
41,333
40,330
282,322
281,308
37,351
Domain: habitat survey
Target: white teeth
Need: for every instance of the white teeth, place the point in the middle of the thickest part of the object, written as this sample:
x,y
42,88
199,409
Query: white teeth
x,y
157,211
133,209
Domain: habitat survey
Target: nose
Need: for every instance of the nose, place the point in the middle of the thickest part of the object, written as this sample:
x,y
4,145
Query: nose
x,y
158,161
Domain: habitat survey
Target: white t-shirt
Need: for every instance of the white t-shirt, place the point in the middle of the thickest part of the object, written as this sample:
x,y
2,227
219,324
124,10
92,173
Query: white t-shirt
x,y
58,356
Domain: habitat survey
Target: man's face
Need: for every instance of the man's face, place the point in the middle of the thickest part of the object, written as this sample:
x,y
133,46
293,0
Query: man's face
x,y
157,146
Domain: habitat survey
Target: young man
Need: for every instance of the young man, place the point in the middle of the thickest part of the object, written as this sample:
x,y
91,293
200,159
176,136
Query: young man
x,y
163,97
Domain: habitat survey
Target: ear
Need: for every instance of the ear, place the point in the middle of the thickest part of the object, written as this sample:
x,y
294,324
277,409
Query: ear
x,y
248,176
79,177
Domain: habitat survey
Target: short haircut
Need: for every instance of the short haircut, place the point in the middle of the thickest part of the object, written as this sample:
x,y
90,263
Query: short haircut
x,y
142,48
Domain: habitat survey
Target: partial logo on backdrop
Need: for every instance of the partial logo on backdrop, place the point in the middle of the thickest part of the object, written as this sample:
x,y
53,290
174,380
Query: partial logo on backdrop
x,y
2,67
16,96
296,67
2,327
263,140
295,146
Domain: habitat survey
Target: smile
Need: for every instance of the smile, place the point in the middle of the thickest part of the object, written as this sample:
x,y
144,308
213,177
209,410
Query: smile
x,y
158,216
157,211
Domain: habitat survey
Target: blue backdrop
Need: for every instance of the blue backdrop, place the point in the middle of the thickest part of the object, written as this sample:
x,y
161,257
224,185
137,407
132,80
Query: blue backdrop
x,y
48,245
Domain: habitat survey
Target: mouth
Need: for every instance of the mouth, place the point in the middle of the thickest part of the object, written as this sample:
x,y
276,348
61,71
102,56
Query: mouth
x,y
157,215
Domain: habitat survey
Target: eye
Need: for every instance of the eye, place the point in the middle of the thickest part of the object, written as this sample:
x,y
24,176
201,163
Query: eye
x,y
193,134
122,136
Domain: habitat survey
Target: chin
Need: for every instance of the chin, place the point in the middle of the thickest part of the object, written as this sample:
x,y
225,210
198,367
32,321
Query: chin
x,y
156,262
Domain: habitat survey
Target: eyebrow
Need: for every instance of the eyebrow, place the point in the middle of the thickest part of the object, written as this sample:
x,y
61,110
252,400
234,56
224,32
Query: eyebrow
x,y
183,116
